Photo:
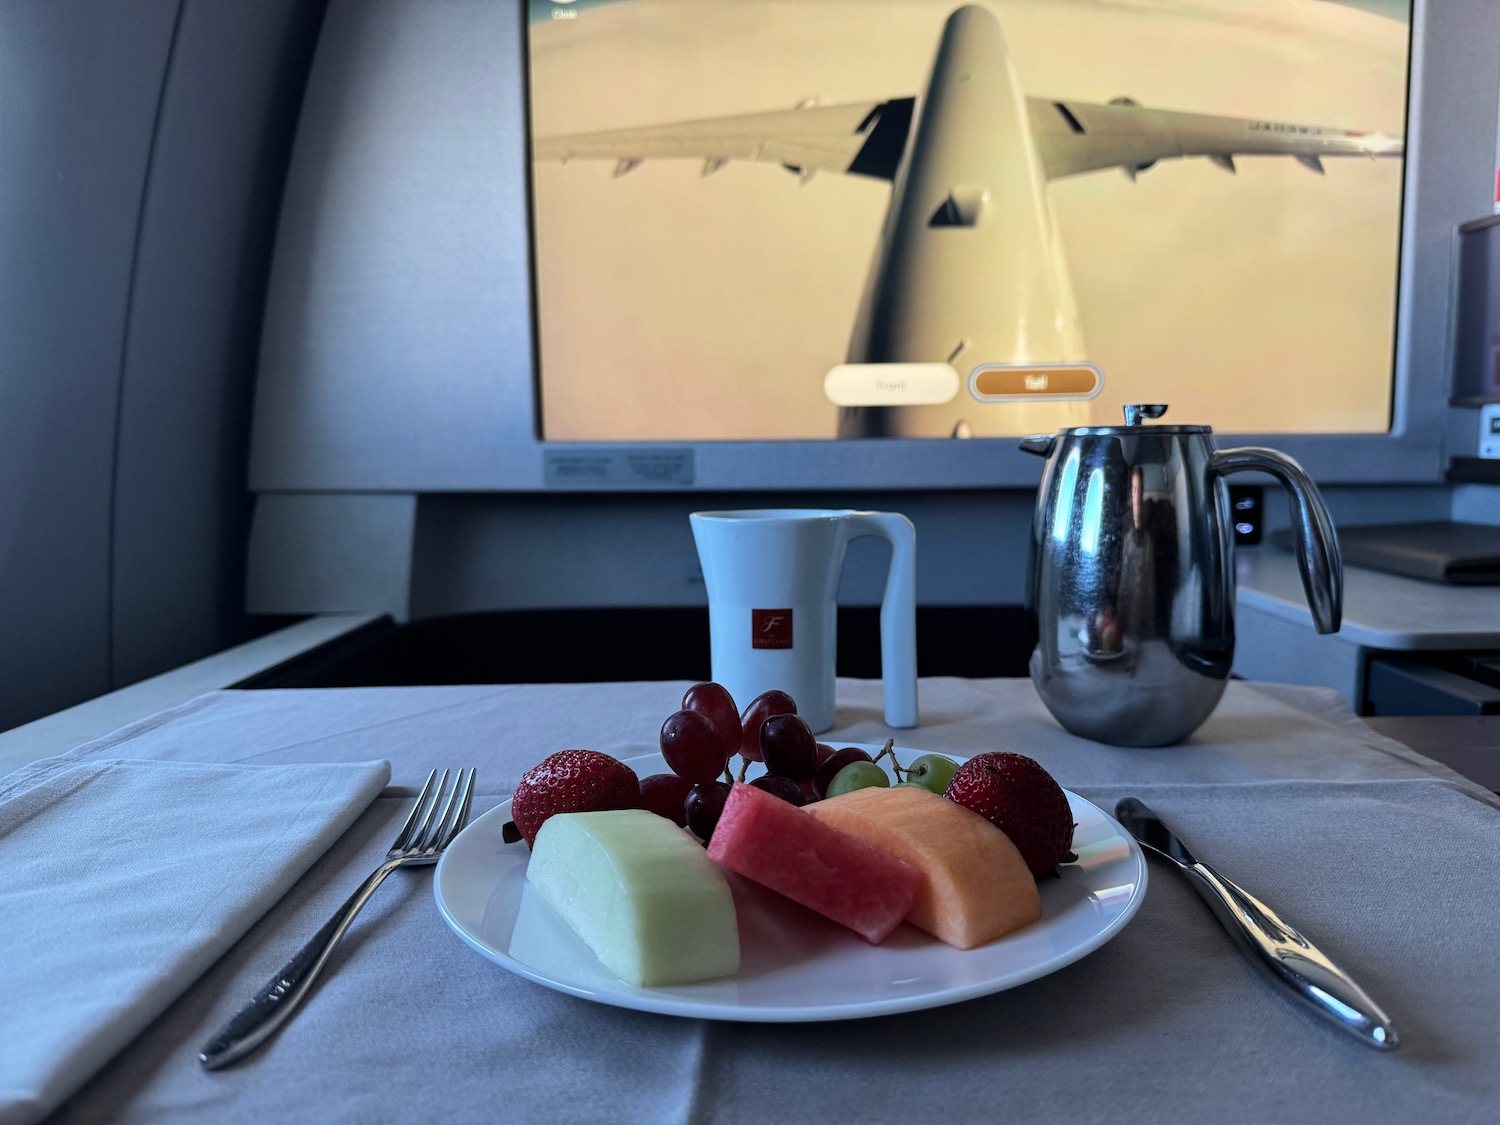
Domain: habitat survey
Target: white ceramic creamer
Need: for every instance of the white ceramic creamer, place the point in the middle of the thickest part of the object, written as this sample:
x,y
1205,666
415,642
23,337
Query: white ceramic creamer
x,y
772,576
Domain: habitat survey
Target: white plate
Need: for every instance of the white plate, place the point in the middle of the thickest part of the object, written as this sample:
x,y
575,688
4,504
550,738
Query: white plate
x,y
795,965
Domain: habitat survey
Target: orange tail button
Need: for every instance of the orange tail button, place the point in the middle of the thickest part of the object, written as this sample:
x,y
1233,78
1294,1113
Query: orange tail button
x,y
1071,380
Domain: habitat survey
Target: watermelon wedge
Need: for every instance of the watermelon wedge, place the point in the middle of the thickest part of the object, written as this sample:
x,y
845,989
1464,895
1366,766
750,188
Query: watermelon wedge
x,y
778,845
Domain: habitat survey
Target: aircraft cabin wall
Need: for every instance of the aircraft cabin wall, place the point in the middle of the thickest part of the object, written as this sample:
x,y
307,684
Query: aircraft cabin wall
x,y
143,145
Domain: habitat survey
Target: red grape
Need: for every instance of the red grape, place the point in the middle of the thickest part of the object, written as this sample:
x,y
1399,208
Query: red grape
x,y
692,746
825,752
715,704
705,801
664,794
781,787
788,747
831,765
761,708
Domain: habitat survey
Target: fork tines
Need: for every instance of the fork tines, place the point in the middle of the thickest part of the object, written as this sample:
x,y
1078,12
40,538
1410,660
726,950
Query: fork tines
x,y
425,829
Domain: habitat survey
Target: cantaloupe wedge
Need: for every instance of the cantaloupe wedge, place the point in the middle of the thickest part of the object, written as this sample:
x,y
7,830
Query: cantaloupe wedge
x,y
975,885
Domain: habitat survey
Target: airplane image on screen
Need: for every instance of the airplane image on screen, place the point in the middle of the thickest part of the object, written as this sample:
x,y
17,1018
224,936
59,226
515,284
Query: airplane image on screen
x,y
969,268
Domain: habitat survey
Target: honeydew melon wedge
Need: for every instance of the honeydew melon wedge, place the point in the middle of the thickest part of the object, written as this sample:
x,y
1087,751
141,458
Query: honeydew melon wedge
x,y
640,893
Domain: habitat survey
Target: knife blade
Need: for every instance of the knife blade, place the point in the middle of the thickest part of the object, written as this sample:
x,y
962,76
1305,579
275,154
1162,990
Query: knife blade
x,y
1266,939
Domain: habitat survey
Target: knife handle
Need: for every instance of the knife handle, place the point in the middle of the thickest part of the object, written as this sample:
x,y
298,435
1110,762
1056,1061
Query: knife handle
x,y
1293,960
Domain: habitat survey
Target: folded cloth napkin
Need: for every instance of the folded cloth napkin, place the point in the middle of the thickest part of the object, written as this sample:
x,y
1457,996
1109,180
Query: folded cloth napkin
x,y
124,880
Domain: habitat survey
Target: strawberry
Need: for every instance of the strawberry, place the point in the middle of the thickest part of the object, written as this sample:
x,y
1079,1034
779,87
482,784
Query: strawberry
x,y
1020,798
572,781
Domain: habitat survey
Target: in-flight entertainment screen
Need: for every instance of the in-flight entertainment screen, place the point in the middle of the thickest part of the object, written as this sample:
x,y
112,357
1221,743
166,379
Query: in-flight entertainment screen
x,y
801,219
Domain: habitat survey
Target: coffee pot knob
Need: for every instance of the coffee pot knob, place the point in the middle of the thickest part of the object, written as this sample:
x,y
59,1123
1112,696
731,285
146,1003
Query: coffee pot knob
x,y
1136,413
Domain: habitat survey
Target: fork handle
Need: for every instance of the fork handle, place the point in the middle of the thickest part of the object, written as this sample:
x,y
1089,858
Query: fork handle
x,y
280,996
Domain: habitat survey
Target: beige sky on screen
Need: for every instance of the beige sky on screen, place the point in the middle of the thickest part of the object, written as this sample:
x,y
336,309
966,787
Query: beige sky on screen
x,y
676,307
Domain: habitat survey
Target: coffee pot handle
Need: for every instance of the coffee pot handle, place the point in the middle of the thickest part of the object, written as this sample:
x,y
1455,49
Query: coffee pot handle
x,y
1312,528
898,612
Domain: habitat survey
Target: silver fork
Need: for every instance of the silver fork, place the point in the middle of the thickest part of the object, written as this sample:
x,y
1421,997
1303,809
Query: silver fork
x,y
421,841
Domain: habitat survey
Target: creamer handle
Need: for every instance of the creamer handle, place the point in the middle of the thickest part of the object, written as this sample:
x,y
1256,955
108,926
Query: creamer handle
x,y
898,612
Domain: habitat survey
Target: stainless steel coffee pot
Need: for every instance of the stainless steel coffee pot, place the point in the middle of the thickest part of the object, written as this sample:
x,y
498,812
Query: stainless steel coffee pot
x,y
1131,574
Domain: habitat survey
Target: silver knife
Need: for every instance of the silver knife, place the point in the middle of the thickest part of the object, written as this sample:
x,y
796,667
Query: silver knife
x,y
1272,944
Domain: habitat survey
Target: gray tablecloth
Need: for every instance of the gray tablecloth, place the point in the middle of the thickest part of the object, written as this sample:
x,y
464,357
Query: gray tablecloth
x,y
1383,857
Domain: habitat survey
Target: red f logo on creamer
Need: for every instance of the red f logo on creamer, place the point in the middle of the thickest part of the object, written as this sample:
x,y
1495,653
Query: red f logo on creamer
x,y
770,628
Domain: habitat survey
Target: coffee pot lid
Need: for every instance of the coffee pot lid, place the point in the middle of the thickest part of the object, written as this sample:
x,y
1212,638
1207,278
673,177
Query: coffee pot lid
x,y
1136,416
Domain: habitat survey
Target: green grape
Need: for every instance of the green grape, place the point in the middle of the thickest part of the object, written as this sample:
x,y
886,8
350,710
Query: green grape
x,y
932,772
858,775
829,767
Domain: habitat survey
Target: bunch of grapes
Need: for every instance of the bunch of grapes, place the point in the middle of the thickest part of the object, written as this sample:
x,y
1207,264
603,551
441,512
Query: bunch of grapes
x,y
699,740
697,743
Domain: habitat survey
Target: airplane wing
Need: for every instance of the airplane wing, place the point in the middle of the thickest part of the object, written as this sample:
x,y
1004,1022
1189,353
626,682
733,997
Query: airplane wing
x,y
868,139
1077,137
865,139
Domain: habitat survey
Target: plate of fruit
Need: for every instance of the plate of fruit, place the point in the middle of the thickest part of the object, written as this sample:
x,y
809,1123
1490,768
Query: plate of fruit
x,y
748,872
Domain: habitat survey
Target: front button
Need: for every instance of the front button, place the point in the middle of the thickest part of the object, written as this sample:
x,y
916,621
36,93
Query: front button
x,y
891,384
